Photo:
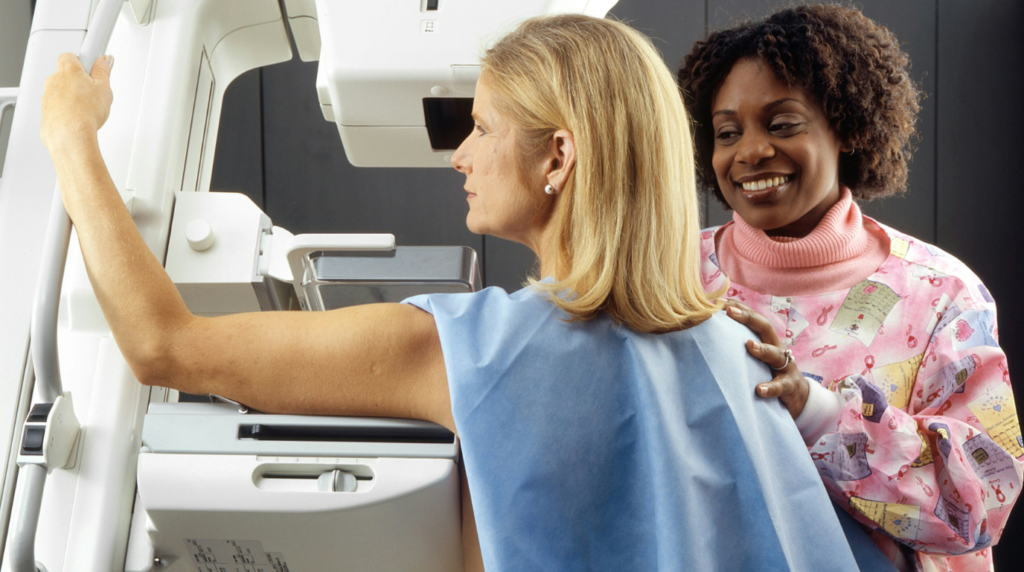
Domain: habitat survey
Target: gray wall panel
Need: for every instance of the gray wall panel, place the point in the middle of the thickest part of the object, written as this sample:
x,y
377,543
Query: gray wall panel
x,y
673,28
914,25
980,122
508,263
15,23
238,159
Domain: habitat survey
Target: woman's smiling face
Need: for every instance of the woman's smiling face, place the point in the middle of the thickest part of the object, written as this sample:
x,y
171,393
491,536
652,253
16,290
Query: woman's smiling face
x,y
776,157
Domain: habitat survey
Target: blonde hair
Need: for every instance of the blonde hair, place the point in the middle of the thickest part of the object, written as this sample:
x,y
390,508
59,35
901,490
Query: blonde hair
x,y
626,223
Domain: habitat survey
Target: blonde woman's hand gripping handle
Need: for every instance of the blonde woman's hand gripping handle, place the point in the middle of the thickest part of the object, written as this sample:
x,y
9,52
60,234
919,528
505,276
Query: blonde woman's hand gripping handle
x,y
379,360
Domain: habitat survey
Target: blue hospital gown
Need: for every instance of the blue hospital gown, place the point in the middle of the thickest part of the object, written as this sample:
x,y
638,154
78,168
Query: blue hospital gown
x,y
588,446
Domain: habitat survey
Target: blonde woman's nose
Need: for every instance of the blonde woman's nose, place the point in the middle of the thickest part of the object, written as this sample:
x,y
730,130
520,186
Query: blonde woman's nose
x,y
461,159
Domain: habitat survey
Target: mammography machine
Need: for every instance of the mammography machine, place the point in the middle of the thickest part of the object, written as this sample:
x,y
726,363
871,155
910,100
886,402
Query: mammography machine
x,y
100,473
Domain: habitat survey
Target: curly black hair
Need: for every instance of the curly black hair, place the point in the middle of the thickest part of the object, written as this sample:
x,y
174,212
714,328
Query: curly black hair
x,y
854,67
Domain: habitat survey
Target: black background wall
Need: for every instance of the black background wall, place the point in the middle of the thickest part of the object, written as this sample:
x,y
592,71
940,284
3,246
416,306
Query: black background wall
x,y
275,146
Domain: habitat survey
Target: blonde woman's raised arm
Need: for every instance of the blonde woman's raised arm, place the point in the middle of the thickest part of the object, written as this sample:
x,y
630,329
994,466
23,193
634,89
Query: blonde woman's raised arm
x,y
379,360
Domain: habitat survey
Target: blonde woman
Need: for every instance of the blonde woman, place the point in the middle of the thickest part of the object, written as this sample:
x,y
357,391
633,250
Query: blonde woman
x,y
606,413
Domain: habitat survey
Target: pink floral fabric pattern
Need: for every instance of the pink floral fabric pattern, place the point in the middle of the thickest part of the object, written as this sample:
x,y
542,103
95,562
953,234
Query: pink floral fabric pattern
x,y
928,449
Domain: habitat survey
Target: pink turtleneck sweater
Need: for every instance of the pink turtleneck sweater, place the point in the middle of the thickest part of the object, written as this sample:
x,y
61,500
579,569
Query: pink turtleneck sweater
x,y
839,253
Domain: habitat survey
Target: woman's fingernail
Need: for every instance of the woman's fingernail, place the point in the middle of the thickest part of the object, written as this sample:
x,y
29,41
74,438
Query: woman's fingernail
x,y
762,391
756,346
734,312
110,61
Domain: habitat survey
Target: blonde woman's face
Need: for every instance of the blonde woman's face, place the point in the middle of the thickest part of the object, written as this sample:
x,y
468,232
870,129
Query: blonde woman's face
x,y
499,203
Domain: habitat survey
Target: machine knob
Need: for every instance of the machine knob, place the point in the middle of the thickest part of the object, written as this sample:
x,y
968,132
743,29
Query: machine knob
x,y
199,235
337,481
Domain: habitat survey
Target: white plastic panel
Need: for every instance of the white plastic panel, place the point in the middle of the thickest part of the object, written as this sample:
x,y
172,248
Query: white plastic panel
x,y
249,47
98,527
218,280
8,97
407,518
235,35
140,9
464,78
306,32
305,28
220,18
140,556
194,155
130,46
380,59
62,16
23,216
599,8
390,146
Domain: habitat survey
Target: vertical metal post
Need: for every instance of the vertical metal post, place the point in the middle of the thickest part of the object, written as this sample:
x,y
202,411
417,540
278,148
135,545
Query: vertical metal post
x,y
32,478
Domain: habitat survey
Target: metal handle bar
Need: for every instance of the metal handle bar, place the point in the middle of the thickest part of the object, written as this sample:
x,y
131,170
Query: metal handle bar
x,y
58,233
44,316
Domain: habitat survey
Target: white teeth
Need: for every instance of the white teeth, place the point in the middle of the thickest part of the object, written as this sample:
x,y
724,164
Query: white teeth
x,y
764,183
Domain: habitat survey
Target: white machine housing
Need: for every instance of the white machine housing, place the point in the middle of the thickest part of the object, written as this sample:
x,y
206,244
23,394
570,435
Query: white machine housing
x,y
381,60
214,482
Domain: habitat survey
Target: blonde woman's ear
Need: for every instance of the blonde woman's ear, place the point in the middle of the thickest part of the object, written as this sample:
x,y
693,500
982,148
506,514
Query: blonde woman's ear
x,y
561,159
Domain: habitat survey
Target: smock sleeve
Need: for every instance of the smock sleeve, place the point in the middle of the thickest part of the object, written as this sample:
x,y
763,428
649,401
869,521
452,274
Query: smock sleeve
x,y
941,473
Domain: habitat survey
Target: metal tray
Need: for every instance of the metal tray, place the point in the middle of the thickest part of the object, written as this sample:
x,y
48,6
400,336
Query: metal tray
x,y
341,279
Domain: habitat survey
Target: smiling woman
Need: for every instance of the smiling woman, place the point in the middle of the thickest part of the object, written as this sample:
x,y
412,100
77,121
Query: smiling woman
x,y
884,347
776,155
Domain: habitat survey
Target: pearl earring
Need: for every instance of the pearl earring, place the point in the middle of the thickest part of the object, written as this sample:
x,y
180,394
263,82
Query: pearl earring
x,y
549,189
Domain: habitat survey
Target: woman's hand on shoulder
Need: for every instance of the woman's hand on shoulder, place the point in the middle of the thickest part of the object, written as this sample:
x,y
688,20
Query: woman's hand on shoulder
x,y
789,385
75,104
